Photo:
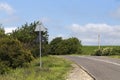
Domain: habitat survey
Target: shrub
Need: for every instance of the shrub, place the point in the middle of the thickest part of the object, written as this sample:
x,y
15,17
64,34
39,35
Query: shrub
x,y
12,52
4,68
61,46
116,51
98,52
107,51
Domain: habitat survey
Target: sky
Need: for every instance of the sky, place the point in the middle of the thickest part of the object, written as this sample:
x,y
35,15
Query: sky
x,y
84,19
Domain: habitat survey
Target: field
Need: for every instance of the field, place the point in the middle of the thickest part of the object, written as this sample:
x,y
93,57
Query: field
x,y
115,56
88,50
53,69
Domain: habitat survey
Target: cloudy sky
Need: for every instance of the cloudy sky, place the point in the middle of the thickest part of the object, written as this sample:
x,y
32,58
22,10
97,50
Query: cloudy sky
x,y
84,19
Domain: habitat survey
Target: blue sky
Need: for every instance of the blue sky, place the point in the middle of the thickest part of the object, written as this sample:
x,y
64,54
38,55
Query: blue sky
x,y
84,19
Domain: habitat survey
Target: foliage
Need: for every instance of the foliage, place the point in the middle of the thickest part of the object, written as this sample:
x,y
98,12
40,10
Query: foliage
x,y
90,50
54,44
116,50
3,67
53,69
27,34
16,48
98,52
2,31
12,53
58,46
107,51
30,39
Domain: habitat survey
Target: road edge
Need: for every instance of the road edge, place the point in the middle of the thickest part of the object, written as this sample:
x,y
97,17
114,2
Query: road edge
x,y
86,71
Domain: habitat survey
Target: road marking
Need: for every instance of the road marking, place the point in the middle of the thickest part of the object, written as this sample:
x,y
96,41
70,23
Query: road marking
x,y
106,61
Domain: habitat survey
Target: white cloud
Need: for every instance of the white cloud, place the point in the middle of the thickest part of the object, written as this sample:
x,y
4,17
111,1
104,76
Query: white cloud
x,y
110,35
9,29
7,8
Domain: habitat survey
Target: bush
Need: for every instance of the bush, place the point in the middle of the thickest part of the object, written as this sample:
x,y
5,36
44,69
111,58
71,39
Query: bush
x,y
36,50
12,52
107,51
58,46
27,35
116,51
4,68
98,52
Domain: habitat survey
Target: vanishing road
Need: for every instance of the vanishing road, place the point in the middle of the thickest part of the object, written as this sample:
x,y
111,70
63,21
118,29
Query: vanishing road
x,y
101,68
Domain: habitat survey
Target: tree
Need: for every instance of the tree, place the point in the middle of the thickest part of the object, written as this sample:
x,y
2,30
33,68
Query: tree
x,y
67,46
27,35
74,45
2,31
54,44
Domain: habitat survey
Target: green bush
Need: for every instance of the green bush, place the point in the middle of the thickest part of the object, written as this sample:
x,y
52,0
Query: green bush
x,y
98,52
36,50
27,35
107,51
4,68
12,52
59,46
116,51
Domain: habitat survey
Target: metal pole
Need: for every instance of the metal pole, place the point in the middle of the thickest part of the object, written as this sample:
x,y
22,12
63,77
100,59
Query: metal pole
x,y
40,47
99,41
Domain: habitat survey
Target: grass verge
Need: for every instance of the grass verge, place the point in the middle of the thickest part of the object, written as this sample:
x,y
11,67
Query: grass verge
x,y
53,68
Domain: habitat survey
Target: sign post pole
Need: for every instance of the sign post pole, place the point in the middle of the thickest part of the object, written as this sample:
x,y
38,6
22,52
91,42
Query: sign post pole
x,y
40,47
40,28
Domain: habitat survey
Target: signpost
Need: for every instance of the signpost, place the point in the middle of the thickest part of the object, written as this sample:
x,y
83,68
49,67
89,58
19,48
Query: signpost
x,y
40,28
98,41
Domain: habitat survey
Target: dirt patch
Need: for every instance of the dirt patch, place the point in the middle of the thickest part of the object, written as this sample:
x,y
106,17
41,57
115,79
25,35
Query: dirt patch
x,y
78,74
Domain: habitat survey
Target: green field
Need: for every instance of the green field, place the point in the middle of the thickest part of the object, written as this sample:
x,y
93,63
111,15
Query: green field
x,y
88,50
53,69
115,56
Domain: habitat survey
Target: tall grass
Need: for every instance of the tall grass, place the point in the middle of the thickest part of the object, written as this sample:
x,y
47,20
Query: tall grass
x,y
52,69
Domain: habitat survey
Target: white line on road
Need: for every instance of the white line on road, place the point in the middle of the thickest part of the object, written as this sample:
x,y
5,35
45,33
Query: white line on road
x,y
106,61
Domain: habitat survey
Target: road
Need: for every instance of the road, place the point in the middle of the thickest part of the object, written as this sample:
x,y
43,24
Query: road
x,y
101,68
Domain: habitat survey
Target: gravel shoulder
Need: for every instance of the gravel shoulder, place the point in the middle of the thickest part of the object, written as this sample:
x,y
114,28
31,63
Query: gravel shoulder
x,y
77,73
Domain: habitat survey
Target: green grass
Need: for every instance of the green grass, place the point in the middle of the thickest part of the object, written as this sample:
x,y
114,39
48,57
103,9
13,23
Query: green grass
x,y
88,50
115,56
53,68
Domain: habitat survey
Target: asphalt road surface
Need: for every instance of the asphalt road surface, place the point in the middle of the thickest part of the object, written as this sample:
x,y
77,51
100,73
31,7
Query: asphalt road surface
x,y
101,68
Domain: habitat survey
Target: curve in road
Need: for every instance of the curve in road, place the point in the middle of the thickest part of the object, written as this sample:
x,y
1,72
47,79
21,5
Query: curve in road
x,y
101,68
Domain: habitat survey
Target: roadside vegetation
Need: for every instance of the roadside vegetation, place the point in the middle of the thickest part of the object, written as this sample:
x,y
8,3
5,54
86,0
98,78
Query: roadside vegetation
x,y
20,47
54,68
103,51
19,54
59,46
